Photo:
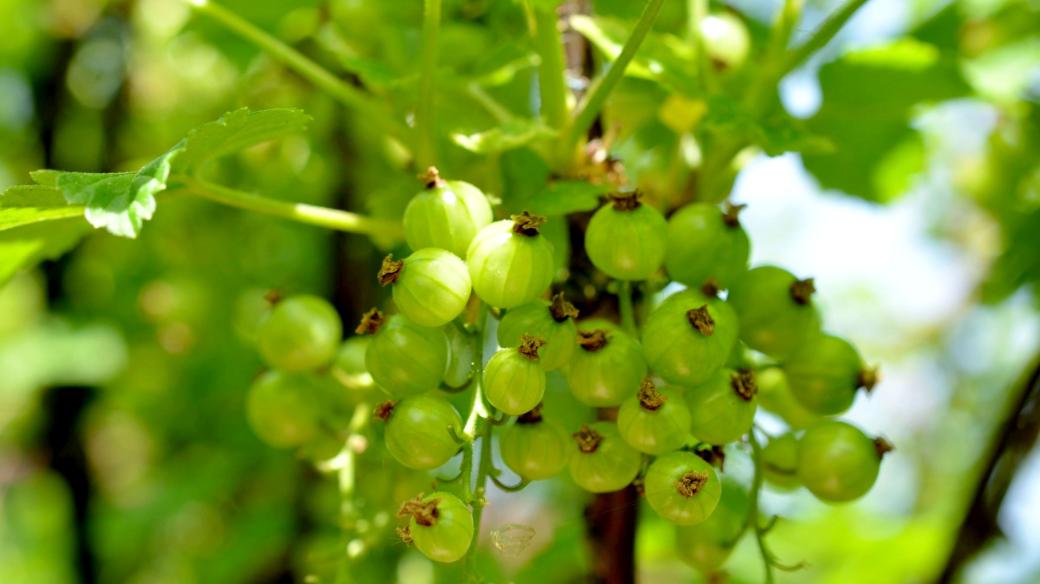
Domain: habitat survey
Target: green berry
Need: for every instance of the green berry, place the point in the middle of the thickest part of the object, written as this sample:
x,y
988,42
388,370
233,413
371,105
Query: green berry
x,y
419,430
349,366
780,462
838,462
774,395
302,333
723,408
707,545
626,239
682,488
533,447
726,39
775,309
689,337
446,215
440,525
602,462
510,262
430,287
707,248
462,355
281,408
825,373
553,322
654,421
514,382
403,357
607,366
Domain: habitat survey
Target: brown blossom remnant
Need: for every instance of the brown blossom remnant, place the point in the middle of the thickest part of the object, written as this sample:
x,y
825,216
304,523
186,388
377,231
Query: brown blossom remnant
x,y
626,201
560,309
867,378
273,296
405,534
690,483
802,291
743,383
390,271
532,417
592,341
883,447
588,439
731,214
431,178
712,454
384,409
711,287
701,320
527,224
529,346
425,513
649,398
371,322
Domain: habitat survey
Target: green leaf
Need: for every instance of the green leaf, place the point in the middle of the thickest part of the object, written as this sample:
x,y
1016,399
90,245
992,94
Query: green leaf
x,y
119,202
28,204
29,244
563,198
510,135
869,99
236,131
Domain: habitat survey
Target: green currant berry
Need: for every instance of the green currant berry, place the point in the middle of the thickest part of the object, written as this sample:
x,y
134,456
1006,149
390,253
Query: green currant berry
x,y
301,333
553,322
431,286
440,525
534,448
280,408
775,309
403,357
606,367
824,374
653,421
602,461
689,337
462,355
349,366
726,39
723,408
510,262
838,462
626,238
780,462
446,215
514,382
774,395
682,488
707,248
707,545
419,430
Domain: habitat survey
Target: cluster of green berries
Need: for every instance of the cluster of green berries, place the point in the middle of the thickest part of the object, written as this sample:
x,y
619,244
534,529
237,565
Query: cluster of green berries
x,y
689,383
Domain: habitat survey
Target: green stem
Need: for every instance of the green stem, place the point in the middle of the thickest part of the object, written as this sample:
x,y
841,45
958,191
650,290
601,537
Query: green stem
x,y
596,96
821,36
698,10
783,26
753,509
628,318
498,111
476,496
425,126
301,212
342,91
552,74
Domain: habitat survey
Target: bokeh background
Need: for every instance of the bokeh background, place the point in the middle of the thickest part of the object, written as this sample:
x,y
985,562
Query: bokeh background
x,y
124,451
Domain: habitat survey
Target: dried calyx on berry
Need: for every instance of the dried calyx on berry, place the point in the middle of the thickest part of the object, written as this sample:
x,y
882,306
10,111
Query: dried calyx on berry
x,y
867,378
626,201
370,323
384,410
390,271
711,288
592,341
588,439
532,417
424,513
431,178
701,320
731,214
529,346
882,447
527,224
649,397
743,383
690,483
560,309
802,291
